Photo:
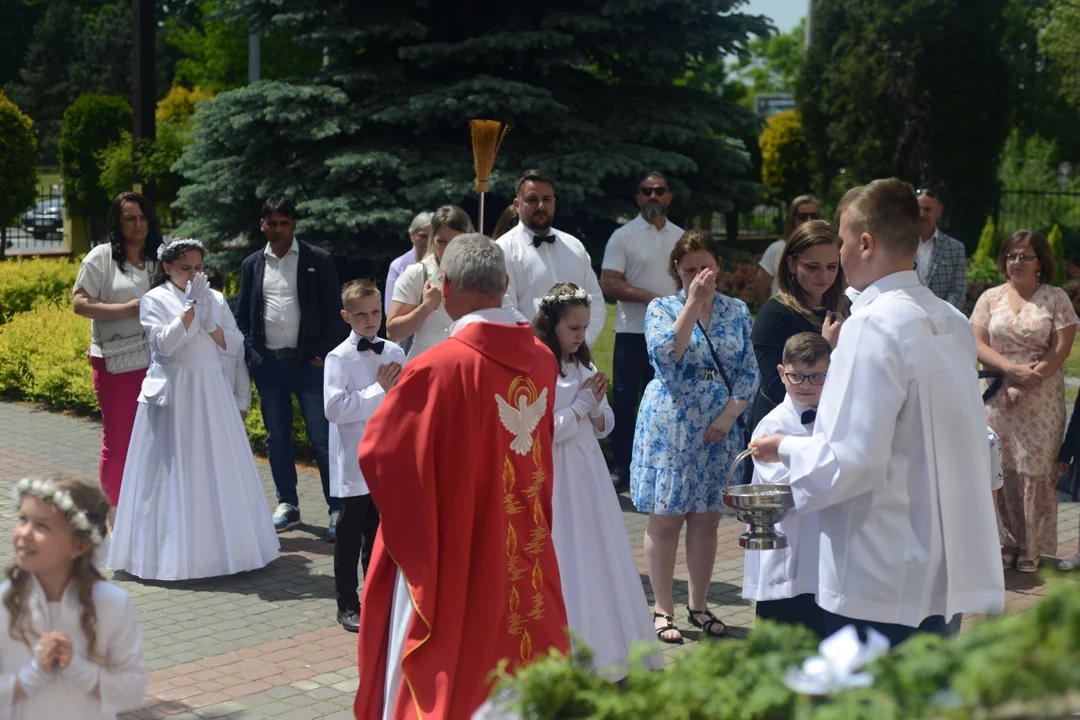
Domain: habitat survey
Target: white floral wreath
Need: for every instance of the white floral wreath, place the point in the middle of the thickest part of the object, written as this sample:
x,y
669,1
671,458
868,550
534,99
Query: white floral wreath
x,y
184,242
61,499
557,298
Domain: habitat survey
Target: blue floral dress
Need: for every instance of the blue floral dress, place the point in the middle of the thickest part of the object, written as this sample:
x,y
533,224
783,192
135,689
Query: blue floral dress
x,y
673,471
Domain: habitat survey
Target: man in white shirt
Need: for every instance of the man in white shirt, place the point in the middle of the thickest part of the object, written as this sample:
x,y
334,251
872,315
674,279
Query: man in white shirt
x,y
634,271
898,462
538,256
289,311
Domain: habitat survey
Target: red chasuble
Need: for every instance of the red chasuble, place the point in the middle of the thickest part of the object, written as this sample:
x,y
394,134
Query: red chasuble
x,y
458,459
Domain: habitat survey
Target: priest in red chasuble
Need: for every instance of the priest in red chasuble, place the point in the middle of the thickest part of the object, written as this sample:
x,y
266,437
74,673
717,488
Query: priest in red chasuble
x,y
458,459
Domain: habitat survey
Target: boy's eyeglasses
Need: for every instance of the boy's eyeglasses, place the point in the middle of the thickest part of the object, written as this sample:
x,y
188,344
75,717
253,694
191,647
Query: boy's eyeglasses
x,y
647,191
797,378
1017,257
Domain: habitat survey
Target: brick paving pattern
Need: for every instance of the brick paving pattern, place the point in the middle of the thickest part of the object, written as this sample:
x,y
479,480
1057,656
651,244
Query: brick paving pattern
x,y
265,644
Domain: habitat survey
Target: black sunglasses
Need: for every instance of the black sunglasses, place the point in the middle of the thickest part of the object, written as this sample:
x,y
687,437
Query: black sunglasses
x,y
647,191
927,192
803,217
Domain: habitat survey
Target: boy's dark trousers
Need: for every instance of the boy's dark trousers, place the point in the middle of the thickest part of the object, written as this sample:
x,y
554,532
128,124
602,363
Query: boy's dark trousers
x,y
356,528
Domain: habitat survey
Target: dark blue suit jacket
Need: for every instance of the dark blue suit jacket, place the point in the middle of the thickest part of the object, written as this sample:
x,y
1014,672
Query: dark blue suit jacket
x,y
321,326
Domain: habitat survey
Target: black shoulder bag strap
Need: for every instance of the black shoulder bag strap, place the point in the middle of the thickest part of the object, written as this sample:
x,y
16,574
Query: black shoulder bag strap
x,y
712,351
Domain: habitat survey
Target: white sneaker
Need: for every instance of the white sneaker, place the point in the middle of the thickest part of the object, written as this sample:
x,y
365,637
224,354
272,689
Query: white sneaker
x,y
286,516
1069,563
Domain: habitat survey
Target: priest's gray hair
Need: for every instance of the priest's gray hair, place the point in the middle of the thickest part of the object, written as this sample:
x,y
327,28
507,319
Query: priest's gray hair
x,y
473,263
419,221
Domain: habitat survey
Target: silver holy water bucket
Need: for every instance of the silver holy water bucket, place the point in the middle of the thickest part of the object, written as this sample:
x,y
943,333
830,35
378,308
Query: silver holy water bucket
x,y
760,507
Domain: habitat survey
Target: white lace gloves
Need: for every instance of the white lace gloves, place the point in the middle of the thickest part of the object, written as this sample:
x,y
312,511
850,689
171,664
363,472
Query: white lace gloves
x,y
585,404
204,313
197,292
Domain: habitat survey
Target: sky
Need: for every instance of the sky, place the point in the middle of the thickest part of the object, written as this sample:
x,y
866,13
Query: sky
x,y
785,14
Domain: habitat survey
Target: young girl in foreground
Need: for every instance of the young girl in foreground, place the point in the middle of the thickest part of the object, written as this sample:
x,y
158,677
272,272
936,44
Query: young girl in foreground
x,y
70,645
605,603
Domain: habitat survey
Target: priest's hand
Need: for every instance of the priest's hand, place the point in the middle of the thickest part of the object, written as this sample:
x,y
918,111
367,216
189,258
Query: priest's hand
x,y
766,448
702,289
830,328
388,375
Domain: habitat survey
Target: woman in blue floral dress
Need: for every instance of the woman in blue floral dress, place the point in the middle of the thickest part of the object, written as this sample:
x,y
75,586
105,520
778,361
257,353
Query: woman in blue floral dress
x,y
690,426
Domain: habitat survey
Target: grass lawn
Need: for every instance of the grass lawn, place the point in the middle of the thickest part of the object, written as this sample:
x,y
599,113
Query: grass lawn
x,y
604,348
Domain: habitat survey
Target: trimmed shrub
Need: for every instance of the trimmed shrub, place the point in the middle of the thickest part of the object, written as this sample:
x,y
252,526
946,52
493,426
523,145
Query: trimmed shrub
x,y
784,156
43,358
26,283
18,165
987,249
256,430
90,124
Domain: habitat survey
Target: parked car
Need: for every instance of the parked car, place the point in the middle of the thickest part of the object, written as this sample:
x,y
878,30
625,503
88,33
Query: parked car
x,y
46,219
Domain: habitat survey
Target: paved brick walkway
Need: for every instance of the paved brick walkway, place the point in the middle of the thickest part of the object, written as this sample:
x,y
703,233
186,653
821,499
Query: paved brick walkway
x,y
265,644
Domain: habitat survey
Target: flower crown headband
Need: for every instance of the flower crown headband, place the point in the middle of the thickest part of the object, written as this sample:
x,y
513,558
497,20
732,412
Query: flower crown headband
x,y
563,297
177,243
61,500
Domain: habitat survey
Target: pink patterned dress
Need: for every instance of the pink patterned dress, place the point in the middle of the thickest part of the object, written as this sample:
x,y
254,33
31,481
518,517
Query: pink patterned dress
x,y
1030,423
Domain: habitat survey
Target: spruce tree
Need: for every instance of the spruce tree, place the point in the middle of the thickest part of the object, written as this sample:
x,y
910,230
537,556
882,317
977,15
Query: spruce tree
x,y
381,131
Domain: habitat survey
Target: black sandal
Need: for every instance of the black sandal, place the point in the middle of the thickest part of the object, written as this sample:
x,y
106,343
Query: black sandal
x,y
669,626
707,626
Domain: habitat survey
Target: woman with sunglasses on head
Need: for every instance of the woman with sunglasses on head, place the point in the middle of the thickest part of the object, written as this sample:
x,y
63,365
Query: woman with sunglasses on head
x,y
802,209
1024,330
810,299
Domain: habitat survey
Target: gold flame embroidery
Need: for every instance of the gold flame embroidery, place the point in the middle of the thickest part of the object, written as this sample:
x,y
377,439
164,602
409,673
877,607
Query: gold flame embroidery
x,y
511,541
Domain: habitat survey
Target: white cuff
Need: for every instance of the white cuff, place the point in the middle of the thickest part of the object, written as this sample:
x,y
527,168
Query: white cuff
x,y
83,673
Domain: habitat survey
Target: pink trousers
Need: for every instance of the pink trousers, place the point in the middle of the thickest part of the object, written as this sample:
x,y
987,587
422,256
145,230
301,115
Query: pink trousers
x,y
118,396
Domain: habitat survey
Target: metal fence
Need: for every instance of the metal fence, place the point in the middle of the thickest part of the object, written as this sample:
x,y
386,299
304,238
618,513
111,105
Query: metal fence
x,y
41,227
1038,210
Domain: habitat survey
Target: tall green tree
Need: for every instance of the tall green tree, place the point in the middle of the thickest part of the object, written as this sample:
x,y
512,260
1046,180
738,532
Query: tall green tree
x,y
18,166
911,88
1060,40
772,64
382,130
91,124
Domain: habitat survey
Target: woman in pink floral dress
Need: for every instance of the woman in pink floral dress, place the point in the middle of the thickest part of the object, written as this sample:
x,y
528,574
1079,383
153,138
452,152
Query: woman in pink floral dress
x,y
1024,330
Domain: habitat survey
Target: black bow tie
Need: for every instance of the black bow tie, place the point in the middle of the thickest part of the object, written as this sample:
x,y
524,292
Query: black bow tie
x,y
366,344
808,417
537,240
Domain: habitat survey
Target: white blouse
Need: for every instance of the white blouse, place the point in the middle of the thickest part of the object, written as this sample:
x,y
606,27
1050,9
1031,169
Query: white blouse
x,y
409,289
100,278
121,680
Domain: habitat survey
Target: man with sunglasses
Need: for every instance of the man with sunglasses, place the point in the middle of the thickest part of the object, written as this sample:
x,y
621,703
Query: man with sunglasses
x,y
940,261
634,271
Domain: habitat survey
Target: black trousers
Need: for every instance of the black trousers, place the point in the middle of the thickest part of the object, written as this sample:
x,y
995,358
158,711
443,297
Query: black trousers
x,y
632,373
896,634
357,524
799,610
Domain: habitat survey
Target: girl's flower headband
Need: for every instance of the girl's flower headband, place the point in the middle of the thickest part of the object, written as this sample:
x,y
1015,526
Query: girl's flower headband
x,y
578,296
61,499
179,242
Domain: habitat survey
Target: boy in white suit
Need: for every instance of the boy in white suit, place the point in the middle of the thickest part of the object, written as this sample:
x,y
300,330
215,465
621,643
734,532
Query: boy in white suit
x,y
784,581
357,375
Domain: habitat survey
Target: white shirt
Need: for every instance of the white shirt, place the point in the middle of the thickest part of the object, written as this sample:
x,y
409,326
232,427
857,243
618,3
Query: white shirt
x,y
351,395
100,278
281,303
533,271
898,465
122,682
770,263
923,254
641,253
409,289
791,571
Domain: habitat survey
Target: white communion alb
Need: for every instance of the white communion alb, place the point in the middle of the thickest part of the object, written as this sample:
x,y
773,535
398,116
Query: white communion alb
x,y
605,602
191,502
898,465
120,669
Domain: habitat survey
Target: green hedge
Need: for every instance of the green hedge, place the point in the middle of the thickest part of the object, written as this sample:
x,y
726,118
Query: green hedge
x,y
43,360
25,283
1026,661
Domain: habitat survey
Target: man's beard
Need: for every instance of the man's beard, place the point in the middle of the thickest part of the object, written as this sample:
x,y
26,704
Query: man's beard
x,y
653,211
539,227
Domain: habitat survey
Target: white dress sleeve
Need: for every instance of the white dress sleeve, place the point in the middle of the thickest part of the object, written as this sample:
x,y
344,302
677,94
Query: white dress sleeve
x,y
123,683
234,339
242,383
609,420
164,329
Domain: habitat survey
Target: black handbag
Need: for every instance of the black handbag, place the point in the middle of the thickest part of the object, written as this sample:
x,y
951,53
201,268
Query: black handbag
x,y
995,384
